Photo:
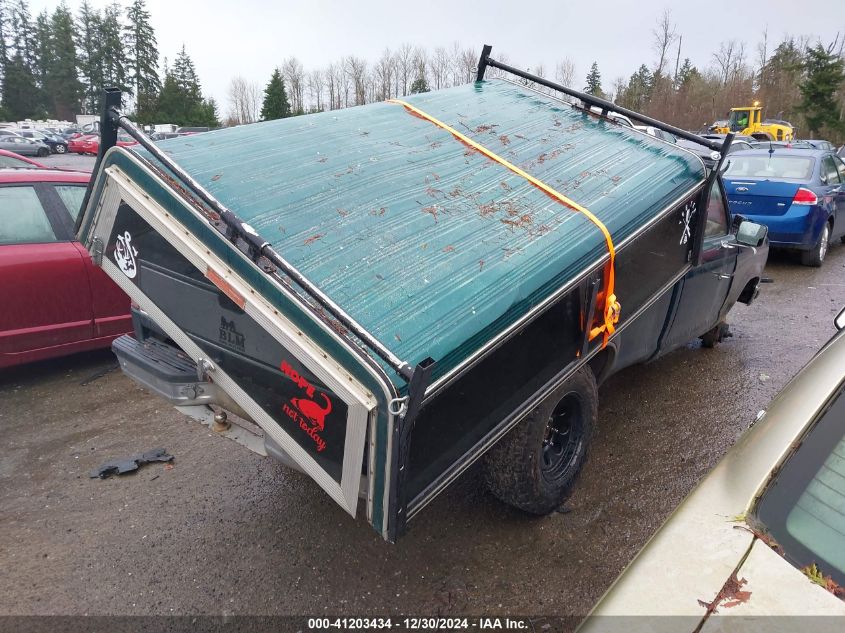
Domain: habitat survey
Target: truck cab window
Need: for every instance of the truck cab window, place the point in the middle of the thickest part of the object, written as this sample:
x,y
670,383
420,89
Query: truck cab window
x,y
717,217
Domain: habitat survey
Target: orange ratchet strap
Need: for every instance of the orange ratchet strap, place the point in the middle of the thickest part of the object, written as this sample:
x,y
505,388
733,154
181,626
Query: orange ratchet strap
x,y
612,307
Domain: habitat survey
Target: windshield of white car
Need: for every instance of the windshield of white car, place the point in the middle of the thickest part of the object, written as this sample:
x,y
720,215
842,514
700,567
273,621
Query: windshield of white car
x,y
757,166
803,509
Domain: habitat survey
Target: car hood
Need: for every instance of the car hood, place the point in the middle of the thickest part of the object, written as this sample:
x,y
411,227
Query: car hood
x,y
706,545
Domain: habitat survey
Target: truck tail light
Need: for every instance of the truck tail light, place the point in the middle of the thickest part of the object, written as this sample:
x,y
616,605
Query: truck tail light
x,y
805,196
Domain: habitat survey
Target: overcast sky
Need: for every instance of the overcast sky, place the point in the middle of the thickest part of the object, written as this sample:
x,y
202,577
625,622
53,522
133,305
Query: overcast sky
x,y
251,37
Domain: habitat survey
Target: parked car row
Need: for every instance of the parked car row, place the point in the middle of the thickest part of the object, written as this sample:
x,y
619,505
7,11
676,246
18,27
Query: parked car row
x,y
34,143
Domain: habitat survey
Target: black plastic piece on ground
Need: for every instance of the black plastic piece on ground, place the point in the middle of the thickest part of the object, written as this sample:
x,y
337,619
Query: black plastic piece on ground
x,y
129,464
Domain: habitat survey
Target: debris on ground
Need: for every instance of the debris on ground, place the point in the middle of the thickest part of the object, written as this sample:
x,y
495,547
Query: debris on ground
x,y
129,464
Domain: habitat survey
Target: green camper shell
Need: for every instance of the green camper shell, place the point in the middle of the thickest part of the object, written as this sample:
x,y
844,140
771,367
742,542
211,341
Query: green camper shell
x,y
432,246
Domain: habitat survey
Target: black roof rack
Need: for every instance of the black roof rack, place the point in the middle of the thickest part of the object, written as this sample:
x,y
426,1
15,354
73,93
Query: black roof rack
x,y
606,106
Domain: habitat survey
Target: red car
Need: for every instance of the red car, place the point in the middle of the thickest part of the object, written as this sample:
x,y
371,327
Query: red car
x,y
54,300
90,143
16,161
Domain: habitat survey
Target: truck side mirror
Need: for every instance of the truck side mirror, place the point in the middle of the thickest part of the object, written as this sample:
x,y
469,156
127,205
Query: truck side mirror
x,y
751,234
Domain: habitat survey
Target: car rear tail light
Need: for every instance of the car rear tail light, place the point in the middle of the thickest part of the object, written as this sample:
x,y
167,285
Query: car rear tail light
x,y
805,196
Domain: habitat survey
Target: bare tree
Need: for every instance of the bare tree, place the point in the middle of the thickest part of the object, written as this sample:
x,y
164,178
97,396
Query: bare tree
x,y
405,67
383,76
763,56
565,72
315,88
356,70
440,68
455,64
617,87
469,62
420,64
244,100
662,37
294,77
725,59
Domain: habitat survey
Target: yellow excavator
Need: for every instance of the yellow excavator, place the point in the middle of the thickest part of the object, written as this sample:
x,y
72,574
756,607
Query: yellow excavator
x,y
747,121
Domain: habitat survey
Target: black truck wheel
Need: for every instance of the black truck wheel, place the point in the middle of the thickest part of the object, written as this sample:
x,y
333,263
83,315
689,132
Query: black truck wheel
x,y
535,466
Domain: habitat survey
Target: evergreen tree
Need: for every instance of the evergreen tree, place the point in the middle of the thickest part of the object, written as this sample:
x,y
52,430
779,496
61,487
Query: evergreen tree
x,y
780,79
20,92
186,77
142,60
275,104
419,85
637,93
170,100
42,52
593,86
21,33
61,84
112,53
4,33
88,23
180,101
686,74
206,114
825,75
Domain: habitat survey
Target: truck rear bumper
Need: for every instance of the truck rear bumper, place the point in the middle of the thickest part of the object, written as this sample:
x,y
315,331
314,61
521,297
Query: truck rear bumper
x,y
170,374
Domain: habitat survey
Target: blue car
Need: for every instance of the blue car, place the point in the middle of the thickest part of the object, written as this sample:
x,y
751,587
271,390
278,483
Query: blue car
x,y
798,193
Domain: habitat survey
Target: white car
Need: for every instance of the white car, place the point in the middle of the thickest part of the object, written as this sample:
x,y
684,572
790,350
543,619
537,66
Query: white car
x,y
653,131
762,535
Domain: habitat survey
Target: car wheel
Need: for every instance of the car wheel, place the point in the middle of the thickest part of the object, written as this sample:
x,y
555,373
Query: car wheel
x,y
61,149
43,151
535,466
815,256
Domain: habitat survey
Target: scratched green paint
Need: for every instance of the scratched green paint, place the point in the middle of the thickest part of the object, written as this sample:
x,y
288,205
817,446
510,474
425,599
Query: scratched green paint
x,y
433,247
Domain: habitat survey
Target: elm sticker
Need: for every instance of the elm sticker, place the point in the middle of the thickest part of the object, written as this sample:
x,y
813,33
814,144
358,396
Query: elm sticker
x,y
125,254
309,413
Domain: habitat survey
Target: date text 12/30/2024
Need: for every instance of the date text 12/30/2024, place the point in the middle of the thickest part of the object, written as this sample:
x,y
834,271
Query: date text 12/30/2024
x,y
419,624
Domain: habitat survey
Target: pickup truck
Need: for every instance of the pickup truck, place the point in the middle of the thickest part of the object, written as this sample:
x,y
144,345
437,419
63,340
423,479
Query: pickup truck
x,y
383,295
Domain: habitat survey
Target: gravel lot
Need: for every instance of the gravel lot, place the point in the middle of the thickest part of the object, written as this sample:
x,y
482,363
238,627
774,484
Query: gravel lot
x,y
226,532
69,161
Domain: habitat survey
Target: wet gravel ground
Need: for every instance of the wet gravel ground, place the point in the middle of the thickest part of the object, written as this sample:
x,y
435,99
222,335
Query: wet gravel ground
x,y
226,532
68,161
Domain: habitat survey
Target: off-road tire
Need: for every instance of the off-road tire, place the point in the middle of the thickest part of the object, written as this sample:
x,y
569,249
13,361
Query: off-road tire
x,y
516,468
815,256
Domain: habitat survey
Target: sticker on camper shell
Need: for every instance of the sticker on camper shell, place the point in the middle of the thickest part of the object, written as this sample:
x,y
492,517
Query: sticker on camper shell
x,y
125,254
687,214
308,412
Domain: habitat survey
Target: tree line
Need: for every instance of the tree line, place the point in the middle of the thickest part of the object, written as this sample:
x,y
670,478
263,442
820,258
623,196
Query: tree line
x,y
55,65
795,79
